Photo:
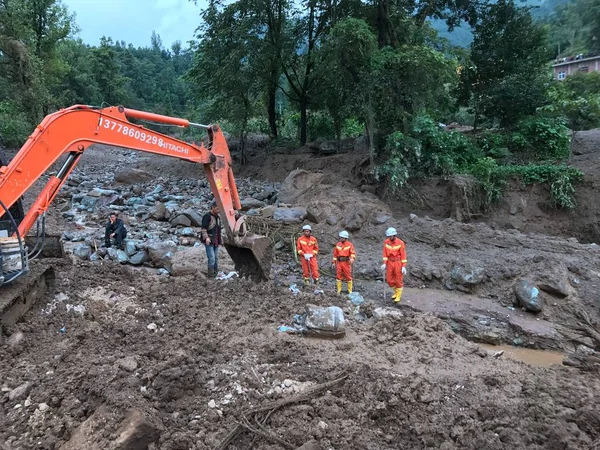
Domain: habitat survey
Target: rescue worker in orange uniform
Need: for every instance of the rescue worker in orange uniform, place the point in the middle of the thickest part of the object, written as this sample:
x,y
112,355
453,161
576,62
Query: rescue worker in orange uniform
x,y
308,248
394,262
343,258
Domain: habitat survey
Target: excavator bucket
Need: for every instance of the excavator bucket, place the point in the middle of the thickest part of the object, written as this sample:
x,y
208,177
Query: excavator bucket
x,y
251,255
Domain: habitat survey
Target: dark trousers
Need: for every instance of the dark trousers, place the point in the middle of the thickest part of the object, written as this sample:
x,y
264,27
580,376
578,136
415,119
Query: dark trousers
x,y
119,236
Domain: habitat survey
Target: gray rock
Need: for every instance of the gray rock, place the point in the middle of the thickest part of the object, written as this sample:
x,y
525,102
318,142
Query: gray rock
x,y
180,220
194,216
139,258
15,339
95,257
130,175
159,211
122,257
528,296
98,192
129,364
332,220
412,217
293,215
161,253
187,231
467,275
82,251
88,202
312,214
252,203
20,392
267,211
265,194
354,222
130,248
380,219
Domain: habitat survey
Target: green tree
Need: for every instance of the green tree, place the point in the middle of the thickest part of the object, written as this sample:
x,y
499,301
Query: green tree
x,y
507,78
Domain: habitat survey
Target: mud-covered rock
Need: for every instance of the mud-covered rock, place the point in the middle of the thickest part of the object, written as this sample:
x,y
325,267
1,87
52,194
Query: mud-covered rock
x,y
194,216
180,220
130,248
467,275
161,253
129,175
528,296
290,215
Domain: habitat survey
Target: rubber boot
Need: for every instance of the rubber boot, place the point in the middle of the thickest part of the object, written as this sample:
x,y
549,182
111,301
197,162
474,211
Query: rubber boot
x,y
339,286
395,294
307,281
350,287
316,281
398,295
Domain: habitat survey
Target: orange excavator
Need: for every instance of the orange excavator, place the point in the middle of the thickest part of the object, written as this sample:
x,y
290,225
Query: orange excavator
x,y
69,132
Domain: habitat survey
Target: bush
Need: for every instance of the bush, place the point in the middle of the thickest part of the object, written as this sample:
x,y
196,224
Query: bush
x,y
546,138
443,152
352,128
14,126
492,180
258,125
403,153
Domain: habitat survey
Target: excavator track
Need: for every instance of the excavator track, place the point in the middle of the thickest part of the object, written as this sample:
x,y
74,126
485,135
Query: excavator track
x,y
19,296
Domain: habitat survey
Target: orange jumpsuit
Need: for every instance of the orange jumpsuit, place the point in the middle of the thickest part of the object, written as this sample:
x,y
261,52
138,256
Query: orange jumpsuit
x,y
394,256
304,245
343,256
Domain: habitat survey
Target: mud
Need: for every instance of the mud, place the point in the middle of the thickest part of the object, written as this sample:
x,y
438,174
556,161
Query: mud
x,y
115,357
537,358
213,352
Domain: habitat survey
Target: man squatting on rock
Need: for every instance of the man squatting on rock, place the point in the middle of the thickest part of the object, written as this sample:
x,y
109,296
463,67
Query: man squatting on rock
x,y
114,229
211,235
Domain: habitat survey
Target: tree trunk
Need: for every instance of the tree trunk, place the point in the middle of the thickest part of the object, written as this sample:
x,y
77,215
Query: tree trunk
x,y
271,107
386,35
370,135
303,119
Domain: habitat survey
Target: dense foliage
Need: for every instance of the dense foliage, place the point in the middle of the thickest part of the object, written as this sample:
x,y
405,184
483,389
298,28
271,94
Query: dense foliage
x,y
301,71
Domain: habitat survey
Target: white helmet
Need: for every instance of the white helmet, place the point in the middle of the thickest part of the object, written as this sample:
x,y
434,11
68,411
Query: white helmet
x,y
390,232
344,234
307,227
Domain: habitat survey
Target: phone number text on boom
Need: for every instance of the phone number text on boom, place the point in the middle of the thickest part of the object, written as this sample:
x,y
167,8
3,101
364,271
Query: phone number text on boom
x,y
140,135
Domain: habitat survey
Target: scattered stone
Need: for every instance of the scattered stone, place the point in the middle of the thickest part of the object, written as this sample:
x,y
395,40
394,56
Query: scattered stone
x,y
212,404
380,313
161,253
354,222
412,217
380,219
194,217
43,407
129,364
152,326
20,392
130,248
15,339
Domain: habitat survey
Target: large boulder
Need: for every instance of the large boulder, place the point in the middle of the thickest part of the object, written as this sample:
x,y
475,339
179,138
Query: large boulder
x,y
159,211
251,203
82,251
161,253
467,274
139,258
528,296
131,176
180,220
194,216
290,215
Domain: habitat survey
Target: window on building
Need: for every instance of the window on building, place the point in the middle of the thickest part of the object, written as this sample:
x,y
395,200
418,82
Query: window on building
x,y
562,75
583,69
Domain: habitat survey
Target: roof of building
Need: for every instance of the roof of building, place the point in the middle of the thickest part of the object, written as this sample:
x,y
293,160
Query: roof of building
x,y
573,61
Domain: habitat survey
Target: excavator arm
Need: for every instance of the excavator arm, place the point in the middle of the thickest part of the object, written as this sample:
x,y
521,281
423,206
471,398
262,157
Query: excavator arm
x,y
72,130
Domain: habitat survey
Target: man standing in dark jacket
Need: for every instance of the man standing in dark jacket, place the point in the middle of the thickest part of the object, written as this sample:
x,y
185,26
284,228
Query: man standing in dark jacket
x,y
212,238
114,229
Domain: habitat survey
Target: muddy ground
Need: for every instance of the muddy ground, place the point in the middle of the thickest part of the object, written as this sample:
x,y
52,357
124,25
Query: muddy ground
x,y
117,357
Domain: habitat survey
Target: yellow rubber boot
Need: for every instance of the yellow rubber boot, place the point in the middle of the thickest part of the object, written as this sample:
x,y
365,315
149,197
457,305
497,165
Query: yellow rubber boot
x,y
339,286
349,287
398,295
307,281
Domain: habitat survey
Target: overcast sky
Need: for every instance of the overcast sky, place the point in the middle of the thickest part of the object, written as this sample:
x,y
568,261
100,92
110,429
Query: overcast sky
x,y
132,21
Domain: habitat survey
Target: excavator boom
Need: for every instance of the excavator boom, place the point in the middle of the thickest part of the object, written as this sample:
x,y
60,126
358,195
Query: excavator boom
x,y
72,130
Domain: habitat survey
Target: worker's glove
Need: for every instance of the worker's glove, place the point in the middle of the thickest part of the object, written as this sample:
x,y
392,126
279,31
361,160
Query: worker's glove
x,y
404,271
351,261
383,266
333,266
307,256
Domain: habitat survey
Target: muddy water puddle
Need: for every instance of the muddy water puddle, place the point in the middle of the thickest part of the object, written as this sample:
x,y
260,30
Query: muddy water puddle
x,y
538,358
